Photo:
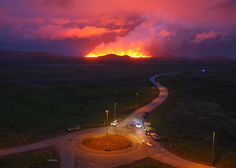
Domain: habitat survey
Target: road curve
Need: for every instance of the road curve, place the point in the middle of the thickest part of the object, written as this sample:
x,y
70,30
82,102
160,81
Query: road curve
x,y
74,154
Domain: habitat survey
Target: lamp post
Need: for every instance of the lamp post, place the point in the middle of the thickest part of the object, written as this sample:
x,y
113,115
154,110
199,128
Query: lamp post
x,y
213,142
136,100
107,122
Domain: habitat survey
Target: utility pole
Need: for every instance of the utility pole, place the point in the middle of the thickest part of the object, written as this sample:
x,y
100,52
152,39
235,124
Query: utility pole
x,y
213,142
107,122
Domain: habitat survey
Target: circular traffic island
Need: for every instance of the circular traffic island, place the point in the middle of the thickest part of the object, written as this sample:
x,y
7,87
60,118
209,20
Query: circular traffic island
x,y
102,143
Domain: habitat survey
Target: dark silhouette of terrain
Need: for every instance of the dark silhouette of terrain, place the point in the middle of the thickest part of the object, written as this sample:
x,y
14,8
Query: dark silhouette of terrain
x,y
213,58
167,57
6,54
115,57
46,57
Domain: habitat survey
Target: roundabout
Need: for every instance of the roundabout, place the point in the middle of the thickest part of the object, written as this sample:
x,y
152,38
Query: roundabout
x,y
102,142
79,149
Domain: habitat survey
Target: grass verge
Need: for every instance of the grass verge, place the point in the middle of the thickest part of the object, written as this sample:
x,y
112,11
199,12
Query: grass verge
x,y
102,143
146,163
193,112
33,159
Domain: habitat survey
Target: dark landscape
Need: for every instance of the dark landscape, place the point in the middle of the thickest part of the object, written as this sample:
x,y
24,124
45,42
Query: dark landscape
x,y
43,94
121,83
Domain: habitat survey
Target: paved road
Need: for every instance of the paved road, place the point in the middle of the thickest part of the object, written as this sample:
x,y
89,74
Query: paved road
x,y
74,154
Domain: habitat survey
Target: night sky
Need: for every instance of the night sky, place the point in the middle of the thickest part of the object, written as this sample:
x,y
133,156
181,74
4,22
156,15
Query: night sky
x,y
191,28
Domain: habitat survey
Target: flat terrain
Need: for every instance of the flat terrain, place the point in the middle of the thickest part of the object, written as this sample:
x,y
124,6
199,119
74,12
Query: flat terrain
x,y
199,104
144,163
41,98
34,159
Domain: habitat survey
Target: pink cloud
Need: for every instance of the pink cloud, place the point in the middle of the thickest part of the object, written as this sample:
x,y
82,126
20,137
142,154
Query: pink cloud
x,y
164,33
149,23
121,19
52,32
52,3
8,19
59,21
156,25
212,34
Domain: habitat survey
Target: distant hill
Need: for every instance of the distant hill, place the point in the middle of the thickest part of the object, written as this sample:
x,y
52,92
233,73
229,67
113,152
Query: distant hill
x,y
6,54
213,58
115,57
126,57
24,55
23,58
171,57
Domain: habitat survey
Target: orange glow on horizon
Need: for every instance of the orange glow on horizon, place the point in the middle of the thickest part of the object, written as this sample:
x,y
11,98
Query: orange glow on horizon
x,y
121,55
121,47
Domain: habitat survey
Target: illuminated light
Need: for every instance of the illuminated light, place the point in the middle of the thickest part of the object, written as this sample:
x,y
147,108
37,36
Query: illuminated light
x,y
119,54
133,51
92,56
121,48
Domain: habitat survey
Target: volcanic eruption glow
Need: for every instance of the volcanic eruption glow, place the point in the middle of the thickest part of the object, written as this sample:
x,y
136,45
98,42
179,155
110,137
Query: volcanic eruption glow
x,y
122,53
133,50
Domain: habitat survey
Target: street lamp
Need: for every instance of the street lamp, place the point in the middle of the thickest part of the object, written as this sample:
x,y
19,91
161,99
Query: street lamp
x,y
212,157
107,121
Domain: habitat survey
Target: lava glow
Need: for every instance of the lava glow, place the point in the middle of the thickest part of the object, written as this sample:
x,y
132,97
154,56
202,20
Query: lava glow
x,y
131,54
120,48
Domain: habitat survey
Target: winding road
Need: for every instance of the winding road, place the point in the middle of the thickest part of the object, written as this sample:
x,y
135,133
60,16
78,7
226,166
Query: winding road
x,y
73,154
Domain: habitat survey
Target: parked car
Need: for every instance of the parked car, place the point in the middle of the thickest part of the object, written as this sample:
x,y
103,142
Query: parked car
x,y
147,143
148,132
71,129
152,133
145,113
138,124
132,123
155,137
114,123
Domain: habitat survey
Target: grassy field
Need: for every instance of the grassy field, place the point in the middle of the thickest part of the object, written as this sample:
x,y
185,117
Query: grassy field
x,y
41,99
199,104
39,111
146,163
35,159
